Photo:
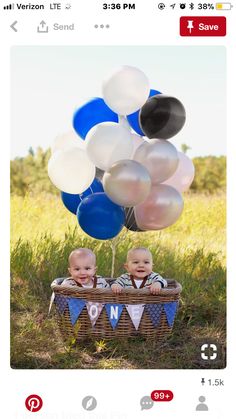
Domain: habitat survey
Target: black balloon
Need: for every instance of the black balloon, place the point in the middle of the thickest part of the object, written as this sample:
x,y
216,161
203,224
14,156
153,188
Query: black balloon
x,y
130,222
162,117
99,173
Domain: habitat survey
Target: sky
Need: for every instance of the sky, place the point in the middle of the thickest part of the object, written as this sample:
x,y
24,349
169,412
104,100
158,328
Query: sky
x,y
48,83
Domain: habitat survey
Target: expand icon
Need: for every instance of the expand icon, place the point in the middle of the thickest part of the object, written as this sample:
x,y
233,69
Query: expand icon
x,y
209,351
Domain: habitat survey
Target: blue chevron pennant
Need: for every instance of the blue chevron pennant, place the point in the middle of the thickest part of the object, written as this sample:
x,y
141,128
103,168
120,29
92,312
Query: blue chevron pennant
x,y
154,311
76,305
61,303
170,310
114,312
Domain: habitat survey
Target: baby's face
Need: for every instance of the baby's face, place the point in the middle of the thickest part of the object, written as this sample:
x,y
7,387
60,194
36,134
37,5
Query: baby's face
x,y
82,269
139,264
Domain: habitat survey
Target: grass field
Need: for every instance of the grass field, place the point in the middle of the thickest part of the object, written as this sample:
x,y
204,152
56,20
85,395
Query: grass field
x,y
192,251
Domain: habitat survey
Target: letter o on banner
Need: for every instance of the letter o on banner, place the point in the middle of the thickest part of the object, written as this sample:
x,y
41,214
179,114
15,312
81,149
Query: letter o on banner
x,y
93,312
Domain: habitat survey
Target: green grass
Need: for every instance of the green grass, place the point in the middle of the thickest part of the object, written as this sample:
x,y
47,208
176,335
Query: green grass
x,y
192,251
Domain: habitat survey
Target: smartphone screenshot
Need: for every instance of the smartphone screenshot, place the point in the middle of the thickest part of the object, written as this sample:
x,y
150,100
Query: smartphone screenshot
x,y
118,154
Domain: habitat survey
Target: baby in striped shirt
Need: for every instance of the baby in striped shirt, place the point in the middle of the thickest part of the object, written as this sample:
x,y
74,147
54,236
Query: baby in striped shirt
x,y
139,274
82,268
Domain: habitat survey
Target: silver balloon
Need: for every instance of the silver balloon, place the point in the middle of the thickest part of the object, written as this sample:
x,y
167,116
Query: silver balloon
x,y
127,183
159,157
161,209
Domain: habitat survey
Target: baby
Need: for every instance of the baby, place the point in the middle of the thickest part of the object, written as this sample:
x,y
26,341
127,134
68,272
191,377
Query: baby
x,y
139,273
82,268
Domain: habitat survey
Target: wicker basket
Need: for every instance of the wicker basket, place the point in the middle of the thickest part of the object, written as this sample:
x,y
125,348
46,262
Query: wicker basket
x,y
124,328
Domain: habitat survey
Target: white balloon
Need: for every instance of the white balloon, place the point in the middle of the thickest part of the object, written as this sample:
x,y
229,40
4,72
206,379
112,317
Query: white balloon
x,y
108,142
126,90
70,139
71,170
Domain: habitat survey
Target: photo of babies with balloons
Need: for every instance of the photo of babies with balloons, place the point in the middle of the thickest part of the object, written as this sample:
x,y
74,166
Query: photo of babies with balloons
x,y
132,247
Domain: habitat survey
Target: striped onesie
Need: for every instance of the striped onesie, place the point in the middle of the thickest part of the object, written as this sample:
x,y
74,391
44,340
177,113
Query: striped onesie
x,y
128,281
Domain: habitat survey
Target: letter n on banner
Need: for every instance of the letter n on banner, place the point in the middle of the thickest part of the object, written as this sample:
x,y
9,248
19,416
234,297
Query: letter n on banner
x,y
114,312
94,311
135,312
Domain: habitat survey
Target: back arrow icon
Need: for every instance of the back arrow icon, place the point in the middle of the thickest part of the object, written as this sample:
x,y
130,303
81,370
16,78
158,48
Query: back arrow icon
x,y
13,26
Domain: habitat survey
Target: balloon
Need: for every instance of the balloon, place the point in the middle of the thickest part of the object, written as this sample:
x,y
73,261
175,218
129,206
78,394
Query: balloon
x,y
126,90
61,142
90,114
72,201
162,117
70,170
99,217
159,157
130,222
127,183
133,118
107,143
161,209
137,141
184,174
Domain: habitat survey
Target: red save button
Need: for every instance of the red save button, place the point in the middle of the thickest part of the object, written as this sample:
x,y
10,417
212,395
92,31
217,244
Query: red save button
x,y
203,26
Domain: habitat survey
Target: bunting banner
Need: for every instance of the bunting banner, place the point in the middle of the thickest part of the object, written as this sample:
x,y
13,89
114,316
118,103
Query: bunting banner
x,y
61,303
94,310
170,310
154,311
76,305
114,312
135,312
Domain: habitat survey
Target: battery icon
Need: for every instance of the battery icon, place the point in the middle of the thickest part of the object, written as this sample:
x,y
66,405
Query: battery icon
x,y
224,6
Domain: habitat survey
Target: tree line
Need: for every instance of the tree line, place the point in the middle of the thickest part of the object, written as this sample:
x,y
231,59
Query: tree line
x,y
29,174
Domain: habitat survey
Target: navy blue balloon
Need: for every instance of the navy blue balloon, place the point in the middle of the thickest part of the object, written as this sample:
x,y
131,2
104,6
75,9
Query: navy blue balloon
x,y
99,217
90,114
133,118
72,201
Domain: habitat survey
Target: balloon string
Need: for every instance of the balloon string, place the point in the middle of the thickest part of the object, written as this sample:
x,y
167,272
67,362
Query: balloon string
x,y
133,223
114,243
123,121
129,215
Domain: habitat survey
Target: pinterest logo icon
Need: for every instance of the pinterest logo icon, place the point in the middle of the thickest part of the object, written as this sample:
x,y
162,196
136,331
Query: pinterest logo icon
x,y
33,403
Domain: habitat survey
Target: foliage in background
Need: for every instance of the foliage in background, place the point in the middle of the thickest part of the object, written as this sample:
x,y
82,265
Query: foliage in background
x,y
210,174
29,174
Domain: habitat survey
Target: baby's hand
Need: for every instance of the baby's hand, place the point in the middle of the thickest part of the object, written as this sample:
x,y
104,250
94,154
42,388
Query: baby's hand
x,y
116,288
155,288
